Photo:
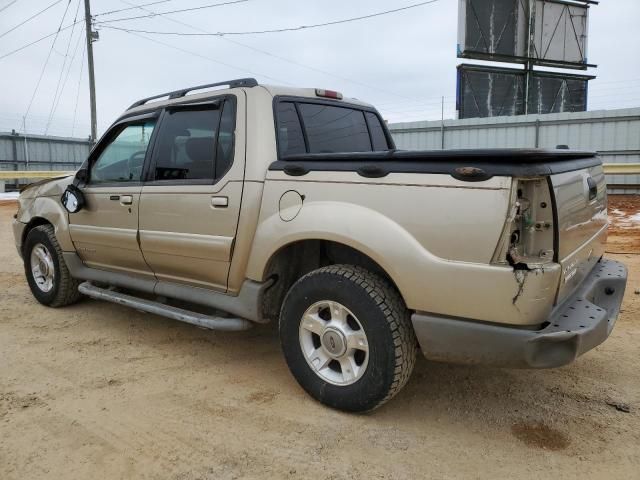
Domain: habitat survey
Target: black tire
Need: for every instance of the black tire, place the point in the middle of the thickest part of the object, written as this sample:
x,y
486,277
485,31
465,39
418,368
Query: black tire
x,y
65,288
385,320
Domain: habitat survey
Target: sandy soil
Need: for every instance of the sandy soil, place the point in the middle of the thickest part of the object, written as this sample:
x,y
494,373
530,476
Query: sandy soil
x,y
99,391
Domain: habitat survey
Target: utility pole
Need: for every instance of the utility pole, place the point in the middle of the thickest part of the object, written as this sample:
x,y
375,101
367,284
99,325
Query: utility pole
x,y
531,6
442,126
91,37
26,147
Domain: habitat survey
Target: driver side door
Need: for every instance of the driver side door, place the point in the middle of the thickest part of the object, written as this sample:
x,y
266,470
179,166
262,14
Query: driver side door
x,y
105,232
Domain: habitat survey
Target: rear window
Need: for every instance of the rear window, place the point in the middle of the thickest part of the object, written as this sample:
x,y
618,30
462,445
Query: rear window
x,y
377,132
335,129
328,129
290,137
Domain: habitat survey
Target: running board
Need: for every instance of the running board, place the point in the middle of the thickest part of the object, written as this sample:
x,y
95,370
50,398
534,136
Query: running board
x,y
157,308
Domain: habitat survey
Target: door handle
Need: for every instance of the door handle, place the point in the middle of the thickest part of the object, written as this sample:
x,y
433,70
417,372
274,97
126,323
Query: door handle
x,y
126,200
219,202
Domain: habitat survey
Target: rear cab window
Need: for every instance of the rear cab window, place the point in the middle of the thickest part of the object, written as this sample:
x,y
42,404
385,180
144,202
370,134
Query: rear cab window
x,y
305,126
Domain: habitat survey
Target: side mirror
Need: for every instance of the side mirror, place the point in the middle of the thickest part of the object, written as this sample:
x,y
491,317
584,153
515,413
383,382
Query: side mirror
x,y
72,199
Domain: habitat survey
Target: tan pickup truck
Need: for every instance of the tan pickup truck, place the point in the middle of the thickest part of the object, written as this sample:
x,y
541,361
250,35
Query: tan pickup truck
x,y
247,203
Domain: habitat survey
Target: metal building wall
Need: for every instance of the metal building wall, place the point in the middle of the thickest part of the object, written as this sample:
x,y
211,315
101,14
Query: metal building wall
x,y
43,152
614,134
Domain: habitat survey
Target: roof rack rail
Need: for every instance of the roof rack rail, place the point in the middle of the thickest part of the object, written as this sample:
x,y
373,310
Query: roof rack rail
x,y
237,83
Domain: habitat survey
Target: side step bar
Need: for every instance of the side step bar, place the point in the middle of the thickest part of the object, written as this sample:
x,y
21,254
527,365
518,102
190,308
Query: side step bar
x,y
157,308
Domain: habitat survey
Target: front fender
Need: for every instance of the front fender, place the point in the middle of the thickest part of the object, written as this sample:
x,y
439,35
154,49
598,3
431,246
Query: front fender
x,y
51,210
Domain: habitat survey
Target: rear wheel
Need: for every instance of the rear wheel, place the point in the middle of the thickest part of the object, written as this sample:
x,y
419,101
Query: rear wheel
x,y
47,273
347,337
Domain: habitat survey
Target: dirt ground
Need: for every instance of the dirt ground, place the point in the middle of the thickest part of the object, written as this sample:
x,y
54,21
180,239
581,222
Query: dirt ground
x,y
99,391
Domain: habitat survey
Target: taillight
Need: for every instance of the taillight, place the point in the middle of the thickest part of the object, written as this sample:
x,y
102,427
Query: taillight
x,y
328,94
528,235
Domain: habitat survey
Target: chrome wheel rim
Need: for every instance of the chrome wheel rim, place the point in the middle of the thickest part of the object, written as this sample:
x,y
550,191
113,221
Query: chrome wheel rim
x,y
334,343
42,267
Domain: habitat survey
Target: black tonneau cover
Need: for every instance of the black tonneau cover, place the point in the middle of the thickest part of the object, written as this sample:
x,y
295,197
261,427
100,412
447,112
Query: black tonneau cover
x,y
469,165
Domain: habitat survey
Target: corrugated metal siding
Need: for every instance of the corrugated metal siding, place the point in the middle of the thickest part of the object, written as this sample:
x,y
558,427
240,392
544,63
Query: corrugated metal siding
x,y
45,153
615,134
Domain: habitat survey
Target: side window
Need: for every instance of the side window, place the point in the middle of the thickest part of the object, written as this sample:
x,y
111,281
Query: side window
x,y
186,145
334,129
290,138
378,138
122,159
226,144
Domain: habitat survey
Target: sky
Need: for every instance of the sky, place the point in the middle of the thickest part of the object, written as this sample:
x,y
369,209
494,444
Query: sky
x,y
404,62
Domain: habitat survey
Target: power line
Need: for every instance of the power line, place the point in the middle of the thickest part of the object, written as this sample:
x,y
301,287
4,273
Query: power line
x,y
7,6
30,18
213,5
421,102
75,108
261,32
435,108
46,62
598,82
241,69
284,59
66,77
36,124
598,89
130,8
64,64
263,52
64,83
19,49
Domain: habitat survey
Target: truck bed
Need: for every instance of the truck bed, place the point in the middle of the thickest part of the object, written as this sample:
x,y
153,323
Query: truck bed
x,y
469,165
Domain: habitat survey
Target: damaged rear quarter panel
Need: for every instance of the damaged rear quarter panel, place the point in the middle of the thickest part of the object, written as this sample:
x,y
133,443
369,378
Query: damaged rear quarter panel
x,y
434,237
535,288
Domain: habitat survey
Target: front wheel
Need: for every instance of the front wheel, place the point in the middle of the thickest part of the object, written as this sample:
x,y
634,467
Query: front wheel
x,y
47,273
347,337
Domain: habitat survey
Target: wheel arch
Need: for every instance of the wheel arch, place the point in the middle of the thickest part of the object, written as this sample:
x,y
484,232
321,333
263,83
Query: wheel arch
x,y
387,245
48,210
297,258
33,223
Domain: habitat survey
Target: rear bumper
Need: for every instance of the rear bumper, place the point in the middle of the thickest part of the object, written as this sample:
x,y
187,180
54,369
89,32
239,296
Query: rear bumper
x,y
583,321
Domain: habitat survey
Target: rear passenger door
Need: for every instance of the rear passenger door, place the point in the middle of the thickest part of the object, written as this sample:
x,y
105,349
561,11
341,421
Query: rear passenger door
x,y
190,203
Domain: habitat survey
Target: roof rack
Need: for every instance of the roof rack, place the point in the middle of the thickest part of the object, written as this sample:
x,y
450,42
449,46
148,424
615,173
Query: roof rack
x,y
237,83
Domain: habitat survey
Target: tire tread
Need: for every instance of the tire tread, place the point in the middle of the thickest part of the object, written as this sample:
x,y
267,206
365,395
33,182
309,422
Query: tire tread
x,y
67,292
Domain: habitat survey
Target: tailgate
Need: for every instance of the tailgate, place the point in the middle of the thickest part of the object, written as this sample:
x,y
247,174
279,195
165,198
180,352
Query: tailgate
x,y
581,204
